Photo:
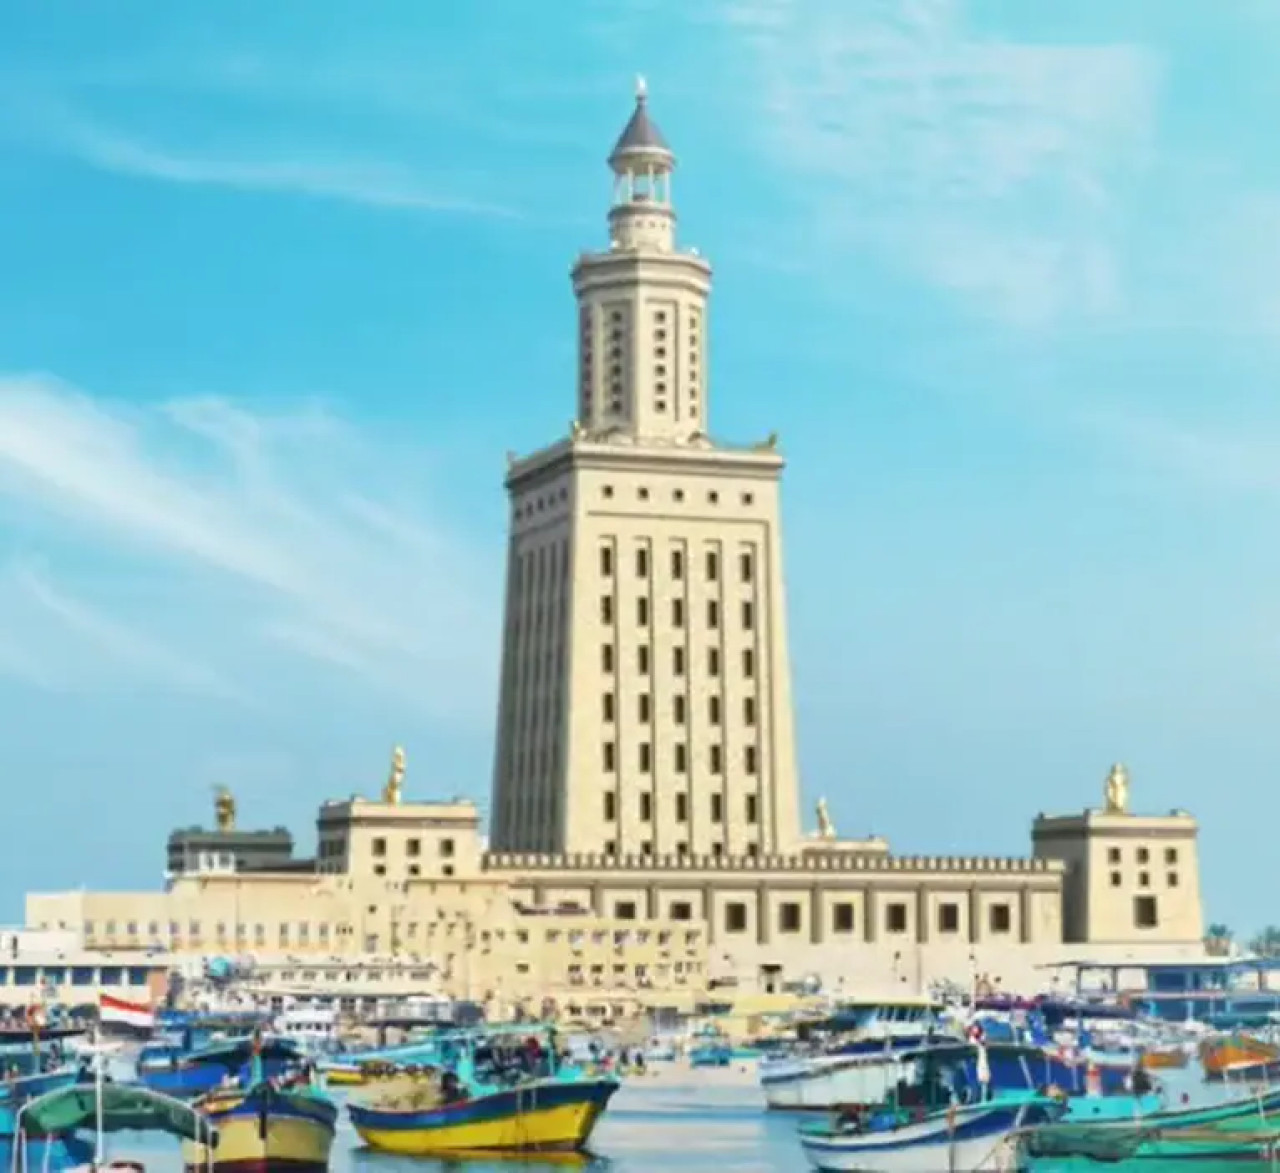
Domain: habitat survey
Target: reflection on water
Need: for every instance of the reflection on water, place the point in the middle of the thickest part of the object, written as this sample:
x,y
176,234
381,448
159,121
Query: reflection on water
x,y
657,1123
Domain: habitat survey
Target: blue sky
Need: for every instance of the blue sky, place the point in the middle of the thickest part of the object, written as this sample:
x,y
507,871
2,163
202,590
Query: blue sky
x,y
283,282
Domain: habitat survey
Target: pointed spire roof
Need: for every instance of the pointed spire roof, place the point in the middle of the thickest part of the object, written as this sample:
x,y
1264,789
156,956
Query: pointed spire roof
x,y
640,138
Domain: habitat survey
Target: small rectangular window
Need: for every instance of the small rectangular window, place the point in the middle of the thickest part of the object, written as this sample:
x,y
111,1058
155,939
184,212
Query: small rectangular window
x,y
713,710
677,661
608,755
644,706
789,917
744,563
717,759
748,663
642,658
607,705
717,808
713,566
646,761
748,710
842,917
677,612
678,709
682,808
1000,918
606,608
642,563
646,808
677,564
735,918
1145,912
753,809
610,806
682,757
713,661
895,917
748,615
606,657
713,614
606,560
749,761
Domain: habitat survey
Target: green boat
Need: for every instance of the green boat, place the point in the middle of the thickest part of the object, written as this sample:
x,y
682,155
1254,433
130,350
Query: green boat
x,y
1247,1128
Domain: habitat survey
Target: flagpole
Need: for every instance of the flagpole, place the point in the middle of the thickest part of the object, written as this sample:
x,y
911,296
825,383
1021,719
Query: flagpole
x,y
99,1154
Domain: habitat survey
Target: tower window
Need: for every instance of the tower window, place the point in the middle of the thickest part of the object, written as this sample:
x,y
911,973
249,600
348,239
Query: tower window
x,y
713,498
682,808
642,612
646,808
713,661
642,658
606,560
642,562
713,566
748,499
749,759
713,709
717,808
682,762
607,706
717,759
606,608
753,809
748,663
609,756
643,494
713,613
677,612
748,615
678,495
678,709
610,806
677,560
646,757
644,706
744,564
748,710
606,657
677,661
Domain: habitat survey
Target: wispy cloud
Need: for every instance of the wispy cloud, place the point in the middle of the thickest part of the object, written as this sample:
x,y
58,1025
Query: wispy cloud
x,y
246,526
985,166
129,650
267,164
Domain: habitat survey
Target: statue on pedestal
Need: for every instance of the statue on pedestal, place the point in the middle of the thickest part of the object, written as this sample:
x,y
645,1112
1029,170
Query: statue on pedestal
x,y
394,789
826,828
224,809
1117,791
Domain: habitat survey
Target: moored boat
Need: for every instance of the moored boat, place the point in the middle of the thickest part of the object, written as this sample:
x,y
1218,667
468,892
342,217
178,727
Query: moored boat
x,y
186,1074
265,1128
426,1116
1239,1055
960,1138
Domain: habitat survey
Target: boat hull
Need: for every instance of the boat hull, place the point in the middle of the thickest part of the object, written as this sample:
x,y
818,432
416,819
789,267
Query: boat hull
x,y
541,1117
968,1139
264,1131
823,1082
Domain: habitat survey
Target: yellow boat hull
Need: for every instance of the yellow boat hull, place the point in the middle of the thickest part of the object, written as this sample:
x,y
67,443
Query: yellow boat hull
x,y
285,1138
544,1118
337,1077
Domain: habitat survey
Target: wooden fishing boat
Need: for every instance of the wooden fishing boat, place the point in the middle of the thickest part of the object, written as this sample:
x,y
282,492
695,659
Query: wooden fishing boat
x,y
1165,1058
960,1138
99,1108
421,1117
264,1128
1238,1055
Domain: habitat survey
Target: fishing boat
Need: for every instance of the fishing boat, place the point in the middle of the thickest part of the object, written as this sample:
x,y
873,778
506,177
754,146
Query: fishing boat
x,y
1239,1056
855,1055
896,1139
424,1117
50,1130
189,1073
263,1128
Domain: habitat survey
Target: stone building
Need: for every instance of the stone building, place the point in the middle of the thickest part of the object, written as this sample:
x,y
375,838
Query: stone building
x,y
646,837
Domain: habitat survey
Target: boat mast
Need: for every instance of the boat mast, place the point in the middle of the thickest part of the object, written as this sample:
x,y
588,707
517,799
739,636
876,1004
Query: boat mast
x,y
99,1150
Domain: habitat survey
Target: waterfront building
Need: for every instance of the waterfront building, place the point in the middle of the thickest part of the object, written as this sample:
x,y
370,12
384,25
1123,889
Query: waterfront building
x,y
646,838
228,847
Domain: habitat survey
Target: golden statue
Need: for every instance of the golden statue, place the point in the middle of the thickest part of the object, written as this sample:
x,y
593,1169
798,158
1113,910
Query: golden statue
x,y
224,809
394,788
1117,790
826,828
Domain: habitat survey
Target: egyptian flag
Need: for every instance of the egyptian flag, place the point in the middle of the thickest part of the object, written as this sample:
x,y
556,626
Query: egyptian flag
x,y
118,1018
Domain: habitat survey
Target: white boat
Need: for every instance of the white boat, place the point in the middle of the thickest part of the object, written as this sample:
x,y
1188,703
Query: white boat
x,y
855,1056
315,1028
958,1139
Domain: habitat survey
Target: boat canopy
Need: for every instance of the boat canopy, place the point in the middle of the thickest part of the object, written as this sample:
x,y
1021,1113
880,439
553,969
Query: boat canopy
x,y
131,1109
235,1053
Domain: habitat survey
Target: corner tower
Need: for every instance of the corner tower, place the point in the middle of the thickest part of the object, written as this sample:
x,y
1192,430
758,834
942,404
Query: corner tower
x,y
645,704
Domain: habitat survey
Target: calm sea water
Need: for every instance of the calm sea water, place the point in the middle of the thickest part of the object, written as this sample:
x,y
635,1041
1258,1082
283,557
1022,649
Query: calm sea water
x,y
676,1122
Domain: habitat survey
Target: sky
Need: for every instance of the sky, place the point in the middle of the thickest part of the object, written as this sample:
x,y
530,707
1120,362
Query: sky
x,y
281,284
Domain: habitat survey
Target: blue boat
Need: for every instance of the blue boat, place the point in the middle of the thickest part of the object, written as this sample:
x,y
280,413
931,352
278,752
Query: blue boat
x,y
186,1074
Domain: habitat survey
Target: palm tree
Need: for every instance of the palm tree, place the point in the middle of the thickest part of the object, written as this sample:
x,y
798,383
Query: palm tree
x,y
1218,939
1267,942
